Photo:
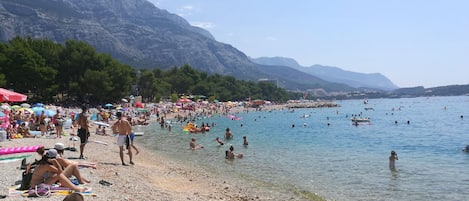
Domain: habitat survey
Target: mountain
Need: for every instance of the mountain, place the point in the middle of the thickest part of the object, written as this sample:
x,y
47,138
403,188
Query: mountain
x,y
333,74
137,33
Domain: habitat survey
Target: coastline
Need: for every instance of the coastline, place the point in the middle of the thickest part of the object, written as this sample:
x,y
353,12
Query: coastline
x,y
153,177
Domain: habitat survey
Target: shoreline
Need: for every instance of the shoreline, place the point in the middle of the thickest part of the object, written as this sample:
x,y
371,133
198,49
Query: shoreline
x,y
153,177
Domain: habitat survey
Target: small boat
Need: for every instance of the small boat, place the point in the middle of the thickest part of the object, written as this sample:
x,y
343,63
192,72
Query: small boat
x,y
138,130
360,120
139,133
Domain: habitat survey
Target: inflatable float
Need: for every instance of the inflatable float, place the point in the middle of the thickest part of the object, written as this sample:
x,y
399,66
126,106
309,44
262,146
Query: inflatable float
x,y
192,128
15,150
99,123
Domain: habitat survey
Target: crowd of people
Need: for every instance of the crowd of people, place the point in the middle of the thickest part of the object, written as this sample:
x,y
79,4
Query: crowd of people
x,y
53,167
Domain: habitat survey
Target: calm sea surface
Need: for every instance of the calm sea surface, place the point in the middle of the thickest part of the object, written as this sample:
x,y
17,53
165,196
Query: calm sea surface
x,y
340,161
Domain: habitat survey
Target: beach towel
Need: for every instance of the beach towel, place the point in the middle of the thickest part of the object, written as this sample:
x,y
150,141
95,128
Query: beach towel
x,y
54,189
13,158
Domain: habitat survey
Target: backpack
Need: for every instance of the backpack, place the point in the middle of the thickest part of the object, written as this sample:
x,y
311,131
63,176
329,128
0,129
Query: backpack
x,y
26,178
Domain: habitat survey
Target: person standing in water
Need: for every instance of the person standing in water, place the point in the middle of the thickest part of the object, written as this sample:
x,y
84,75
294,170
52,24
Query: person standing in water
x,y
245,141
392,160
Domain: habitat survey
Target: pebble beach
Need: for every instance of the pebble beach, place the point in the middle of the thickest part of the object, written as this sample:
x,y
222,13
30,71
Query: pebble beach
x,y
153,177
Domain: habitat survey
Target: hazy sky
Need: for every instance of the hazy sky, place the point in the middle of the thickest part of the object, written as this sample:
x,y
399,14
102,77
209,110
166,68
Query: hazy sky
x,y
412,42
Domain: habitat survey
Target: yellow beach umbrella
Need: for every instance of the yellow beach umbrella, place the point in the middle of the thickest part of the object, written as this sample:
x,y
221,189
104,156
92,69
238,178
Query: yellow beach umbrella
x,y
26,111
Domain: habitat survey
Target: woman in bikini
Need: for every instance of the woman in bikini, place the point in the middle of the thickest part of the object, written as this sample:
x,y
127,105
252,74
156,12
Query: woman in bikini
x,y
49,171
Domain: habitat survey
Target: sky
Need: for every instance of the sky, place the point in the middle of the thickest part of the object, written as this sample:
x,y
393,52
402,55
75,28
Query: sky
x,y
413,43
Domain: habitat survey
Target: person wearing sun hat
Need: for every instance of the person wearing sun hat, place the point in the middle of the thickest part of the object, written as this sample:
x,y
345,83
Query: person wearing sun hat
x,y
60,148
51,153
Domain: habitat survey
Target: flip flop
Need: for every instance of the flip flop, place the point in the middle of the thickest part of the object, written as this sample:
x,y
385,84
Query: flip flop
x,y
104,183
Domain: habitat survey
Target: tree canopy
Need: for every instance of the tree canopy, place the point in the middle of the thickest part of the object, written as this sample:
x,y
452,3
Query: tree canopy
x,y
75,73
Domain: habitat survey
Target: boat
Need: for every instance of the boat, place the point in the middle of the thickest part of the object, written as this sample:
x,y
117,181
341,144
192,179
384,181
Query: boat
x,y
138,130
139,133
360,120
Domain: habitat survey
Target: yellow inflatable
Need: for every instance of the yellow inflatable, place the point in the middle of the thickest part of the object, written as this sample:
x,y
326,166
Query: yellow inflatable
x,y
189,126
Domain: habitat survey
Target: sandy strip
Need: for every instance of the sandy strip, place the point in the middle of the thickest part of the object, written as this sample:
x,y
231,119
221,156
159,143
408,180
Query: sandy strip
x,y
153,177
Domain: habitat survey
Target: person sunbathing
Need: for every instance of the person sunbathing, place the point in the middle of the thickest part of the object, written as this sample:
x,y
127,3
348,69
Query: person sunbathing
x,y
25,131
49,171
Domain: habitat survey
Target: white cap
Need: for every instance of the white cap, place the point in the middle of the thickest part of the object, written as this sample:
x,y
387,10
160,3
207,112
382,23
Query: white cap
x,y
51,153
59,146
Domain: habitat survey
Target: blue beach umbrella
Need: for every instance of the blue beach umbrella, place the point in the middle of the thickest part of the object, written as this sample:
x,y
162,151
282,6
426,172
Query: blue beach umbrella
x,y
37,110
108,105
50,113
38,105
2,114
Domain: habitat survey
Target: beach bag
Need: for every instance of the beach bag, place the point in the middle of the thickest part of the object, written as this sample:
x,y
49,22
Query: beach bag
x,y
40,190
26,176
26,180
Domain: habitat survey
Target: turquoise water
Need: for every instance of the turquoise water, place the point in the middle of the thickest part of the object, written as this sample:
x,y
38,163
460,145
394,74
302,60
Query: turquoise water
x,y
341,161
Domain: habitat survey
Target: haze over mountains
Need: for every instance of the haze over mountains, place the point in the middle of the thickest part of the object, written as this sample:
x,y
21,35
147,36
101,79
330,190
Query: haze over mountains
x,y
139,34
333,74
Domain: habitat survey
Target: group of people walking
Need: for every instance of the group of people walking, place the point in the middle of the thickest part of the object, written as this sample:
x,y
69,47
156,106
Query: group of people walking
x,y
122,127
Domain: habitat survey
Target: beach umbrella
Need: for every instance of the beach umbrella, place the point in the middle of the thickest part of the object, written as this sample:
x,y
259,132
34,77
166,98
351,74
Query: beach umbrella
x,y
184,100
5,107
2,114
37,110
50,113
38,105
15,107
11,96
124,100
26,110
141,110
25,105
138,104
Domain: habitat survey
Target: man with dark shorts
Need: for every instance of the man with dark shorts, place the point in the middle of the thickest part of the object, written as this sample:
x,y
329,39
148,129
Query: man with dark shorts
x,y
83,130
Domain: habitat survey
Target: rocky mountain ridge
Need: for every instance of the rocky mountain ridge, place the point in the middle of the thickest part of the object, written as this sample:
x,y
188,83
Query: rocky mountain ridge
x,y
137,33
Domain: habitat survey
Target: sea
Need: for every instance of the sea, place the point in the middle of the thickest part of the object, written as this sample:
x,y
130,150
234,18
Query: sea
x,y
319,150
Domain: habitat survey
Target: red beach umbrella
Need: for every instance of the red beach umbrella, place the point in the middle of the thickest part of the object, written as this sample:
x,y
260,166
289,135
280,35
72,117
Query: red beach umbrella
x,y
11,96
138,105
184,100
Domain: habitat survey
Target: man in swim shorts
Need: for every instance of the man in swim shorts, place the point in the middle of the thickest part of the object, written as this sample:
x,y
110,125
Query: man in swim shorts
x,y
123,128
83,130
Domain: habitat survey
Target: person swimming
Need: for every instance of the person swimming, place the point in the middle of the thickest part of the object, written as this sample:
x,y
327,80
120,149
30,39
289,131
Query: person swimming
x,y
466,149
219,141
